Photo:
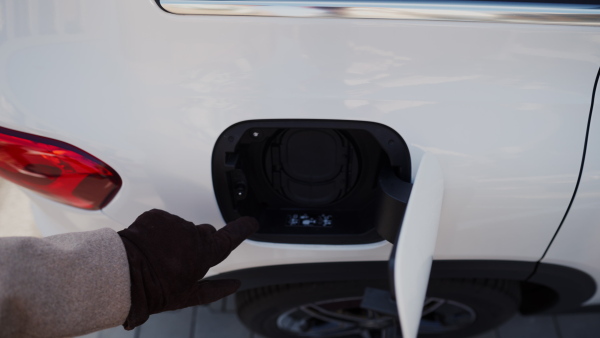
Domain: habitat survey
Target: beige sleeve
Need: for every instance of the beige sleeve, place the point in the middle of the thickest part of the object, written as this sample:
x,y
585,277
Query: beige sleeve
x,y
63,285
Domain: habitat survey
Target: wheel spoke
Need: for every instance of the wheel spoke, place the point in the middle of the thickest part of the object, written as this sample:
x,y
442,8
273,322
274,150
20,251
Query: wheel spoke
x,y
370,321
343,317
327,316
432,304
344,325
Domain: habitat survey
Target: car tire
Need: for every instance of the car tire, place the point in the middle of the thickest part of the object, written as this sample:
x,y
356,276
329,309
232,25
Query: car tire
x,y
461,308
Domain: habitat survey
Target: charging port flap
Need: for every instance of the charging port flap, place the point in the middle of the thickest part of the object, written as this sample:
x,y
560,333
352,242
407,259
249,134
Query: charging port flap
x,y
411,258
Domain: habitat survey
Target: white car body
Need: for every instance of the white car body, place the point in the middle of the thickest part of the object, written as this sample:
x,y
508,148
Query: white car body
x,y
503,106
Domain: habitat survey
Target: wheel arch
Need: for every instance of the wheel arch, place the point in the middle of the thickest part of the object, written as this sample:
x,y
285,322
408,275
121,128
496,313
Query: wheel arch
x,y
550,288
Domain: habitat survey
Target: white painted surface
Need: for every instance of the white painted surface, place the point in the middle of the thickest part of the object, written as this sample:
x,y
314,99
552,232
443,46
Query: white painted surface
x,y
52,217
15,212
416,243
578,242
503,107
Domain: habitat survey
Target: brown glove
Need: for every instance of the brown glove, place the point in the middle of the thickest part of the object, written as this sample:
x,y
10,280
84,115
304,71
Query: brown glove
x,y
168,256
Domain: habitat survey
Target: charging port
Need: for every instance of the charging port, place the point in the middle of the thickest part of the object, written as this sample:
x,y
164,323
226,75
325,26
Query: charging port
x,y
313,181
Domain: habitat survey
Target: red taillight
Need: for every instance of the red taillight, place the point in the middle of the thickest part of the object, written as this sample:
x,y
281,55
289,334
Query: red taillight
x,y
57,170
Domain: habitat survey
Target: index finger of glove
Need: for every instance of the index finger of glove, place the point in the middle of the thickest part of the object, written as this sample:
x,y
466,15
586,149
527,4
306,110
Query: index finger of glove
x,y
231,235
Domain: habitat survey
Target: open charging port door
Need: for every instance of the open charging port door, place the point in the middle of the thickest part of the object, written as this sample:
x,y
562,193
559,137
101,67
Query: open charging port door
x,y
412,256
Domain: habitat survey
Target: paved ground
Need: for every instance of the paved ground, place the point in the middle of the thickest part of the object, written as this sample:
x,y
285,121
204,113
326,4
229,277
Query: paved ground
x,y
218,320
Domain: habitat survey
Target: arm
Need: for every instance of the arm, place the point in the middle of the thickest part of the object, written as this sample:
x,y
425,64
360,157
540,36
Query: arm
x,y
77,283
63,285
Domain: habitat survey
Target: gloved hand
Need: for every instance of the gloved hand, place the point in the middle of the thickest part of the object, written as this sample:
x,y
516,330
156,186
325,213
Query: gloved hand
x,y
168,256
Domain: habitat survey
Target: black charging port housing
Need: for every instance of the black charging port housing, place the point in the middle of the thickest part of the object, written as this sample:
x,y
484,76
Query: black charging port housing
x,y
313,181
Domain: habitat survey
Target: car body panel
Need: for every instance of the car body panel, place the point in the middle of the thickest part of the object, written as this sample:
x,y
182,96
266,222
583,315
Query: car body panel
x,y
576,244
504,108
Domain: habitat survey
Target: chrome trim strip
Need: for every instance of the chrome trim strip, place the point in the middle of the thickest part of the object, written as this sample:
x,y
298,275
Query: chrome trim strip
x,y
530,13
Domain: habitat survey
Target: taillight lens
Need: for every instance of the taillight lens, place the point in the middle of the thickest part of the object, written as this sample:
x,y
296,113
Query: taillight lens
x,y
57,170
